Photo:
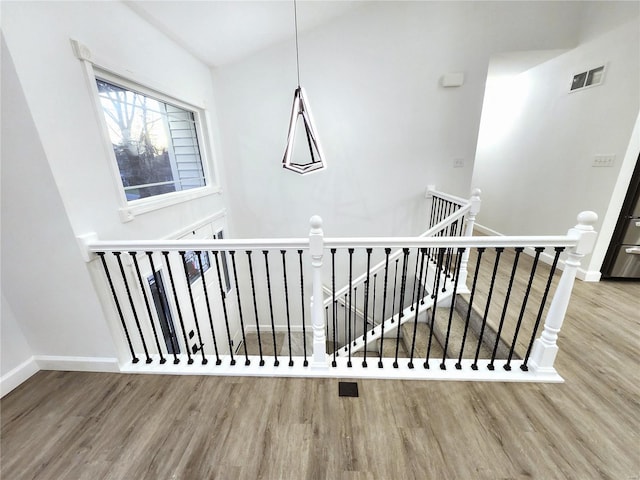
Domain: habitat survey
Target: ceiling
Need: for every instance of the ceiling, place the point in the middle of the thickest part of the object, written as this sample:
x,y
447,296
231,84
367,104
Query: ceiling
x,y
223,31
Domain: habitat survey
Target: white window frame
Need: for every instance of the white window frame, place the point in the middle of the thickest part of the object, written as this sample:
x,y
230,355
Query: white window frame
x,y
128,209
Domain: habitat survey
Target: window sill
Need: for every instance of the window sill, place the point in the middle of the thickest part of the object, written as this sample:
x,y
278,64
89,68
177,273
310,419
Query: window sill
x,y
138,207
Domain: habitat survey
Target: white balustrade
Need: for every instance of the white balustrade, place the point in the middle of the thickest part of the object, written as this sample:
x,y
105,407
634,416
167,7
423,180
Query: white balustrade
x,y
545,348
471,220
316,250
579,241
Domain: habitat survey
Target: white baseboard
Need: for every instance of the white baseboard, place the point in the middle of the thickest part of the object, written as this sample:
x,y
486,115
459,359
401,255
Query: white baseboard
x,y
486,230
582,274
589,275
77,364
18,375
279,328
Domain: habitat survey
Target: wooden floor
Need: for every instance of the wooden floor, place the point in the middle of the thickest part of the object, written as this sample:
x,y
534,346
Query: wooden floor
x,y
61,425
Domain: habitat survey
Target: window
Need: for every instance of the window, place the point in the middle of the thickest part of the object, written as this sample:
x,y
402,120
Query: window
x,y
193,266
155,142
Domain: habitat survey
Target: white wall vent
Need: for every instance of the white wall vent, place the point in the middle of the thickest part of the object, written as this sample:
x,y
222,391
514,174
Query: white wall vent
x,y
590,78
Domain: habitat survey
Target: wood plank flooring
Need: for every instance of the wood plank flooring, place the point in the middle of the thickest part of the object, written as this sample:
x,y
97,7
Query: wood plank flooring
x,y
70,425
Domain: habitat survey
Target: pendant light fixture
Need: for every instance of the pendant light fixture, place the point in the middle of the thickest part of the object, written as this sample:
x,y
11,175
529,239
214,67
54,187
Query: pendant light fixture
x,y
301,113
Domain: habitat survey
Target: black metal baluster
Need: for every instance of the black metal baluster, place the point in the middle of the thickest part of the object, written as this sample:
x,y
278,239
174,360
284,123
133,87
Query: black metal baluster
x,y
373,309
436,275
453,304
393,302
304,333
133,306
235,275
415,279
172,336
558,251
354,318
134,359
255,306
387,251
433,221
193,308
273,327
454,227
471,297
506,305
538,251
350,299
286,303
178,309
335,305
432,213
434,305
403,281
499,250
206,300
326,321
366,306
223,300
441,207
417,308
146,302
346,323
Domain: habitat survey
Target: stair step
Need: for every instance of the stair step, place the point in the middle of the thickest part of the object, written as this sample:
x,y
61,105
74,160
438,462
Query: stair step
x,y
475,325
456,334
421,344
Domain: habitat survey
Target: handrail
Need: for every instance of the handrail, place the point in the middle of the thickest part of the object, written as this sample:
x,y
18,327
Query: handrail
x,y
338,242
447,196
178,245
449,242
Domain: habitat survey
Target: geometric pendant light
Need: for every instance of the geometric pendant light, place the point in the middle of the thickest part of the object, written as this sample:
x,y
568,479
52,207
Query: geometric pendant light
x,y
301,114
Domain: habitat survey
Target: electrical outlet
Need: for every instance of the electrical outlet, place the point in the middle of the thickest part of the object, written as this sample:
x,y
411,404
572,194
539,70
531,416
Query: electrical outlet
x,y
603,160
458,162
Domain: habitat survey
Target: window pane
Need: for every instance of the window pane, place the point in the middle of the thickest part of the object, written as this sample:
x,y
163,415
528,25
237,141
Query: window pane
x,y
155,143
193,266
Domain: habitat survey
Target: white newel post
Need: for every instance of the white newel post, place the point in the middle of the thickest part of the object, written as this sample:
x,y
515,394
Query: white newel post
x,y
471,220
316,250
545,348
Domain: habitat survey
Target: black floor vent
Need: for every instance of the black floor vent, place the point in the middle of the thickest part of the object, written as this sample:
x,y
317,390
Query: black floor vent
x,y
347,389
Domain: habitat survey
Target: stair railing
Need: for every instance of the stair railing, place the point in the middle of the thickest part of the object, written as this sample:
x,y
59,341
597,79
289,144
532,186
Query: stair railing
x,y
190,306
449,216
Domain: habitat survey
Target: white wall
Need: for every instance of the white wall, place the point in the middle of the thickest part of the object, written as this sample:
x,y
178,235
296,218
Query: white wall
x,y
388,129
15,349
534,163
43,277
599,17
56,179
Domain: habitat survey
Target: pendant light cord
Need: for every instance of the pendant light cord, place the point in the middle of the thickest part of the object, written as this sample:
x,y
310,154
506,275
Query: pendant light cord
x,y
295,19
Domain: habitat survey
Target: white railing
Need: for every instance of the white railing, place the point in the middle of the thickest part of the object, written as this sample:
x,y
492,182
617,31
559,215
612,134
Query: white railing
x,y
448,216
276,280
